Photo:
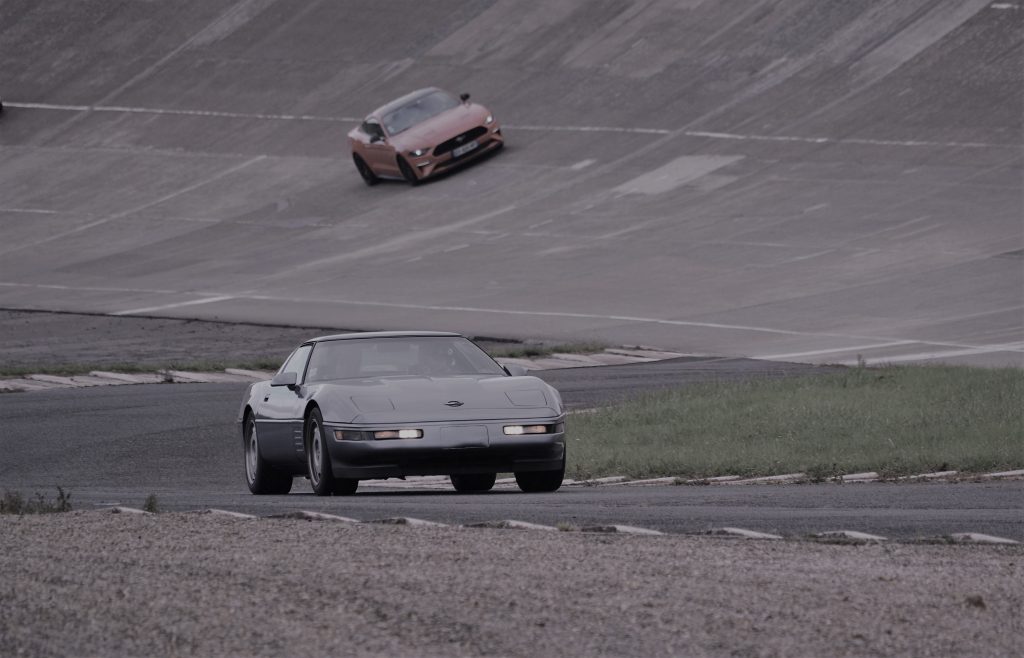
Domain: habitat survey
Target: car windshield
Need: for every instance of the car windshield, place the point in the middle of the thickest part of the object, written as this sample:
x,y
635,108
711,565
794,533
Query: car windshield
x,y
429,356
418,110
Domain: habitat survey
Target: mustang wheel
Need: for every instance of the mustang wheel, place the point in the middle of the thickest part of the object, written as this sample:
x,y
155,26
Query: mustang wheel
x,y
369,177
318,461
407,173
541,481
473,482
259,475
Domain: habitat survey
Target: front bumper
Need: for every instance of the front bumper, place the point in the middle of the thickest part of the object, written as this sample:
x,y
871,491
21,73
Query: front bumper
x,y
429,164
445,449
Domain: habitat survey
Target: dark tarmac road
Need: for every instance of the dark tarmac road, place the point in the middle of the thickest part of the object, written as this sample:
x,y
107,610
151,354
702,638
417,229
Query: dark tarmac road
x,y
117,445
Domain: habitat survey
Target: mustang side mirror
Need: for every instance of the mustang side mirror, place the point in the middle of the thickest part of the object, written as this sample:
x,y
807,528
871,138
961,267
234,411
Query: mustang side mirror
x,y
288,379
464,97
514,370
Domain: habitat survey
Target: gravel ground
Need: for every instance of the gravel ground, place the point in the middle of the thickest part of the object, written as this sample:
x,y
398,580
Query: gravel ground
x,y
96,583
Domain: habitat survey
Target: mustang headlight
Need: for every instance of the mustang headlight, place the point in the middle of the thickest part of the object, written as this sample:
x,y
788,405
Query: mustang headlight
x,y
416,153
398,434
489,120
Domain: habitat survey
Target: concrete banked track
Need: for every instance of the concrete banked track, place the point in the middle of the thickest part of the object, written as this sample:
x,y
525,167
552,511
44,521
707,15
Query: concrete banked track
x,y
798,180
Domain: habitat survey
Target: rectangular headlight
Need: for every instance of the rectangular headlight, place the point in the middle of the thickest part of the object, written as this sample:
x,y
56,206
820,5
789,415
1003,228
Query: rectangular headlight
x,y
398,434
516,430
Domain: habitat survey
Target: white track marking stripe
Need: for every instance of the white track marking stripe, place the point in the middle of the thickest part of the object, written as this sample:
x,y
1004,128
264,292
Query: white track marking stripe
x,y
1006,347
148,204
193,302
833,350
581,129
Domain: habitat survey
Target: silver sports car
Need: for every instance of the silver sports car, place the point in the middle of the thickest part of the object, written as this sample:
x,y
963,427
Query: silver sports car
x,y
389,404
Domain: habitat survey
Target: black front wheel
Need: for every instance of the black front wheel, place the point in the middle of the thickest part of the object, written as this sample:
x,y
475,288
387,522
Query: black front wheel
x,y
318,461
364,170
473,482
259,475
407,172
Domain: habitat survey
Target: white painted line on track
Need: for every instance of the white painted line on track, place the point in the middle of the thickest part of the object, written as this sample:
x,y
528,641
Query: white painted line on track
x,y
941,354
833,350
31,211
123,109
148,204
526,127
400,242
193,302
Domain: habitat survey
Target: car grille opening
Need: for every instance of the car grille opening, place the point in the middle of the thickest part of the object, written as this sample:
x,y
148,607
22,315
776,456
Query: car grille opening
x,y
457,141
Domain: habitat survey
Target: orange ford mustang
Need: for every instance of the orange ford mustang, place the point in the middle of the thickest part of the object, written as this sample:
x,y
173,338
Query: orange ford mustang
x,y
422,134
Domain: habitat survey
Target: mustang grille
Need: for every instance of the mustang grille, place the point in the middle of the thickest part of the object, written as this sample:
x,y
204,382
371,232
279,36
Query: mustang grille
x,y
459,140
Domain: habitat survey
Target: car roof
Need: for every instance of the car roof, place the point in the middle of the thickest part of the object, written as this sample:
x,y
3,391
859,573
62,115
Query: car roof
x,y
399,102
384,334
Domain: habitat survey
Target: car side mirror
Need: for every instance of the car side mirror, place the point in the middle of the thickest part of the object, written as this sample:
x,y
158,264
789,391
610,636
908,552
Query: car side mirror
x,y
515,370
289,379
464,97
376,138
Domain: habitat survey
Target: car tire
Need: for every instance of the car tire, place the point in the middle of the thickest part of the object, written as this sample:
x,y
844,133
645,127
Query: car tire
x,y
473,482
364,170
541,481
261,477
407,172
318,461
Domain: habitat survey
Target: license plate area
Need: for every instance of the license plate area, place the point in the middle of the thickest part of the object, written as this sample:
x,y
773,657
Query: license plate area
x,y
465,148
464,436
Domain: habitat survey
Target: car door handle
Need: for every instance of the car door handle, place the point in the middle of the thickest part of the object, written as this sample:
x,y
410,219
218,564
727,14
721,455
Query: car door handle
x,y
266,398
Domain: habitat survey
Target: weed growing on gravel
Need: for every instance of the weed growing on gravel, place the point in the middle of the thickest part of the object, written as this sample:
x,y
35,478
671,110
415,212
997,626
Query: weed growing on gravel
x,y
151,504
14,503
893,420
527,351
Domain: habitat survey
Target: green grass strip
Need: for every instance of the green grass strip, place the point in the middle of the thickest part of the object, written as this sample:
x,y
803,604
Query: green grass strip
x,y
893,420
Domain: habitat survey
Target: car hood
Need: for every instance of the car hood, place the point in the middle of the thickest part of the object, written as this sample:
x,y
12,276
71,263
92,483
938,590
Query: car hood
x,y
444,126
433,399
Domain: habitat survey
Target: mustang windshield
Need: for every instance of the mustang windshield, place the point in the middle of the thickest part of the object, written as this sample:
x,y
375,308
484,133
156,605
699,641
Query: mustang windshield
x,y
418,110
430,356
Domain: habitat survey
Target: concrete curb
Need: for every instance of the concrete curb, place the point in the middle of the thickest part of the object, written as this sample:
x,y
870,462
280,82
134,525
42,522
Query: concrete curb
x,y
621,529
307,515
28,383
409,521
829,536
512,524
851,536
742,533
979,538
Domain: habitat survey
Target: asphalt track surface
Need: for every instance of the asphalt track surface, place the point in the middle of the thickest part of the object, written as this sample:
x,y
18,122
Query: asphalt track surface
x,y
796,181
117,445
